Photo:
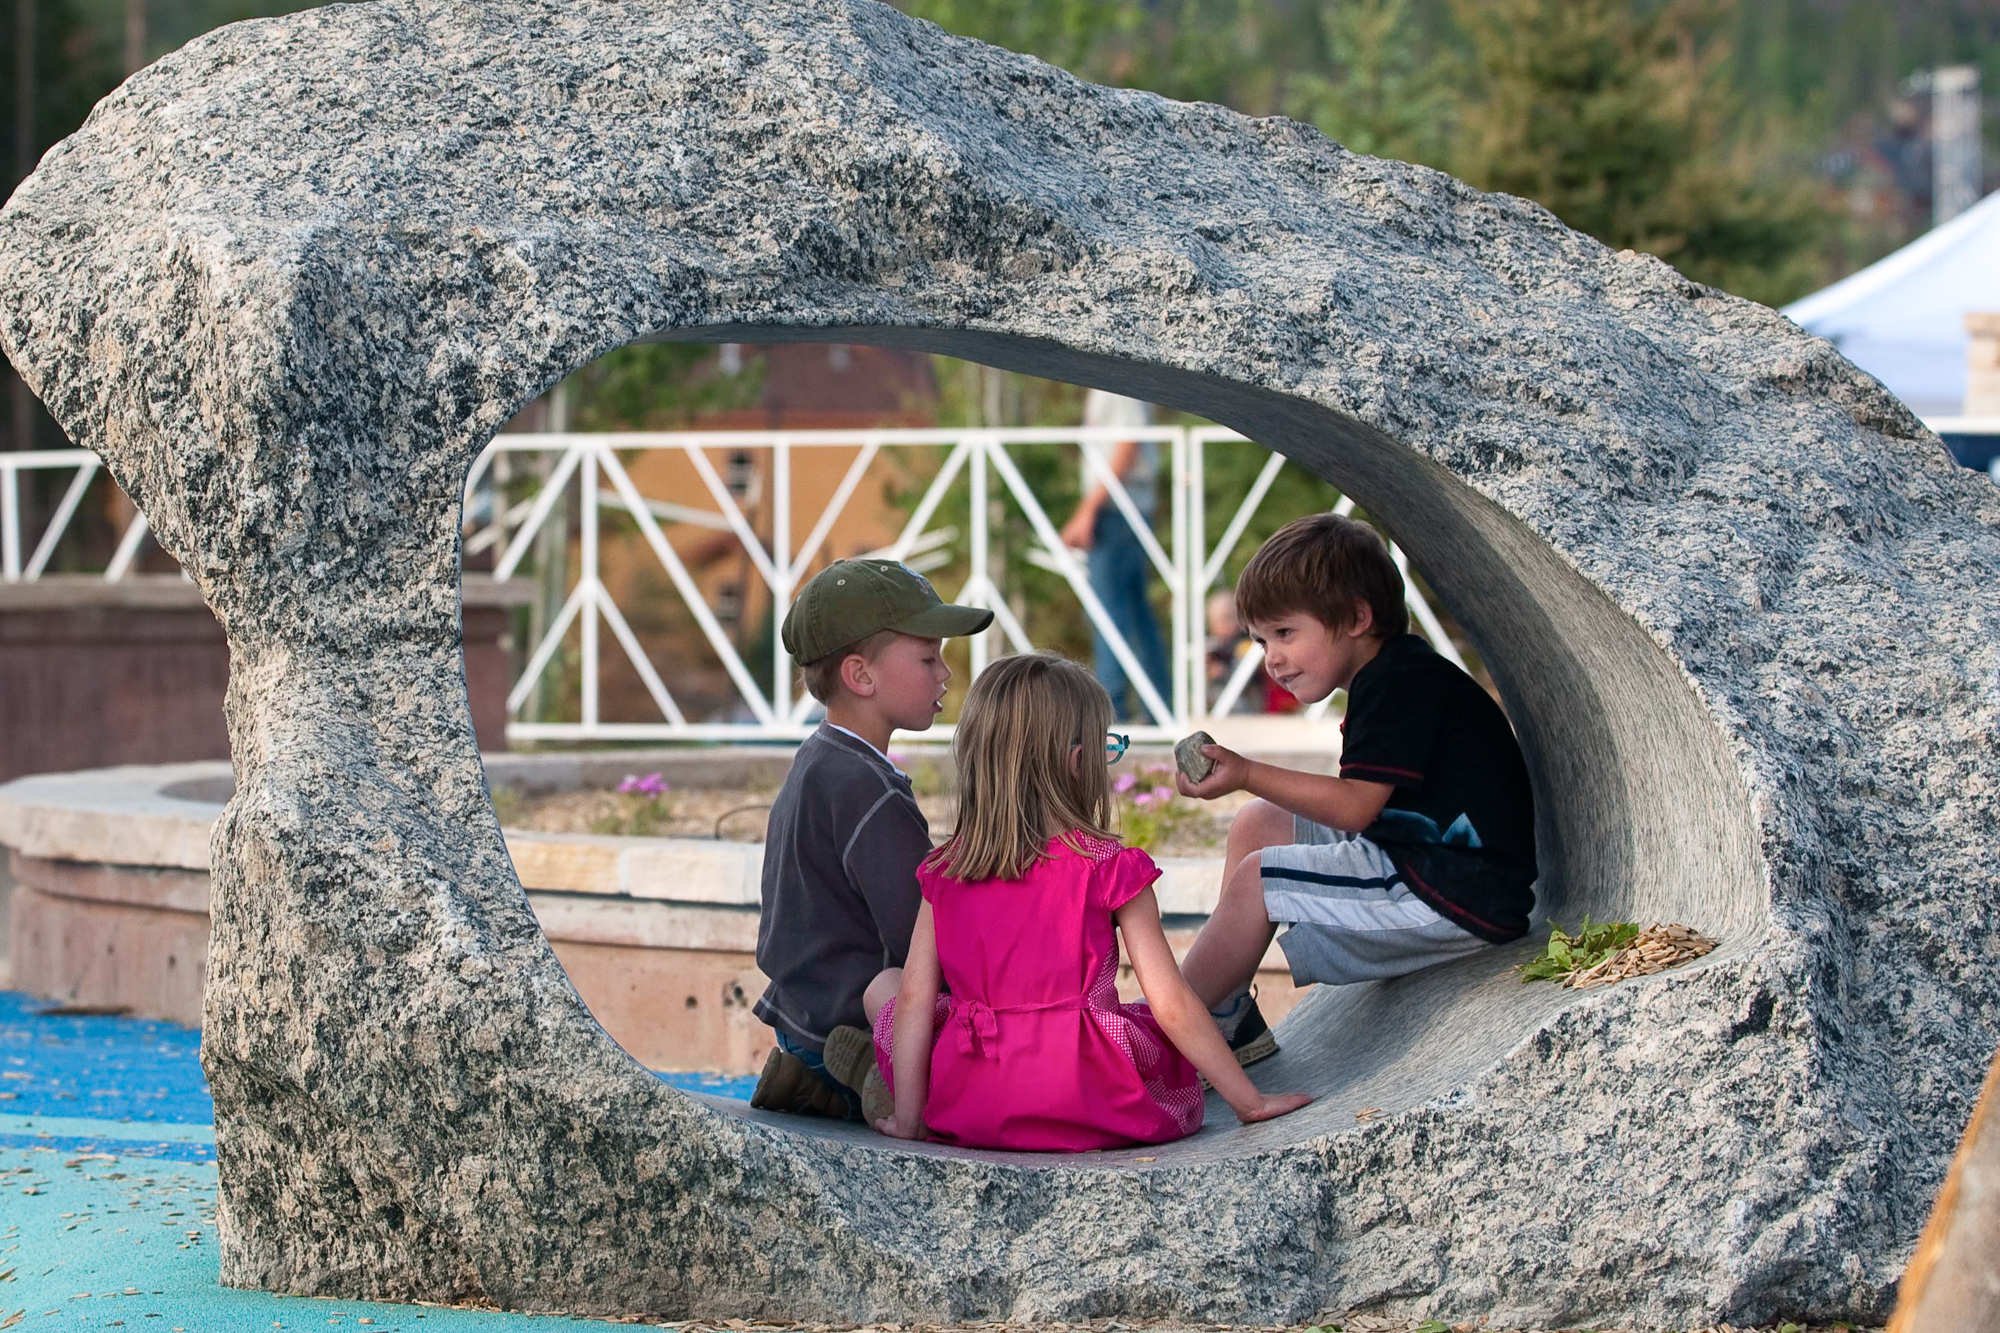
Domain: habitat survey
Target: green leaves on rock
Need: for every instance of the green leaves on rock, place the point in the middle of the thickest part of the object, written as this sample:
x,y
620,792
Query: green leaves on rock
x,y
1567,954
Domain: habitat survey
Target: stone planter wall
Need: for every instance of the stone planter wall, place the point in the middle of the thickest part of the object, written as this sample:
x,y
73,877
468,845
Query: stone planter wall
x,y
658,935
133,672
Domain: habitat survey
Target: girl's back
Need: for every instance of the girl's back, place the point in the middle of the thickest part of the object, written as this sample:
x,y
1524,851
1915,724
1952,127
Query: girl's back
x,y
1033,1049
1010,1034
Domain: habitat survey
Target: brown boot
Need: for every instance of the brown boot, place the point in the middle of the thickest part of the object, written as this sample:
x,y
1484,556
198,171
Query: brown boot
x,y
787,1085
877,1102
850,1057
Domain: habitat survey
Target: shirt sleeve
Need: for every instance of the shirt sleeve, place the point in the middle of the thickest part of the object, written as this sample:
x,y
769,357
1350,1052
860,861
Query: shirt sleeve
x,y
1121,877
881,862
1391,732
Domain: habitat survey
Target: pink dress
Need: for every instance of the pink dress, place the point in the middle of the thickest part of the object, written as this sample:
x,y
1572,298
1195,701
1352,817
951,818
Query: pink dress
x,y
1033,1051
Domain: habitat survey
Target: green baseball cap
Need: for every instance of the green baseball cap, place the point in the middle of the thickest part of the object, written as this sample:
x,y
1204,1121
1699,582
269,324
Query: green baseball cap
x,y
852,599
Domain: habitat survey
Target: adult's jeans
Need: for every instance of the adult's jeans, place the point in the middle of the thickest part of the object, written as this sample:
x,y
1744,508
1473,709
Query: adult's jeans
x,y
1119,574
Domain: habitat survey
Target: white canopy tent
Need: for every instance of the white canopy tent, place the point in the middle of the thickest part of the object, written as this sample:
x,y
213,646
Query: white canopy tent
x,y
1902,319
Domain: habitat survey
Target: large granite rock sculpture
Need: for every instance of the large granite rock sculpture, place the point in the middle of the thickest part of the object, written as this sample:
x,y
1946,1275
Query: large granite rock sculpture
x,y
1738,601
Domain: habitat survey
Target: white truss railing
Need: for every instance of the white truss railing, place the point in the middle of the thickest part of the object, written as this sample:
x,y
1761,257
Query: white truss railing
x,y
1187,565
555,467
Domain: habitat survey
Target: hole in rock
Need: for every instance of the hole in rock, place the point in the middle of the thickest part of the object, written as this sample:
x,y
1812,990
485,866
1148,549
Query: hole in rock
x,y
659,562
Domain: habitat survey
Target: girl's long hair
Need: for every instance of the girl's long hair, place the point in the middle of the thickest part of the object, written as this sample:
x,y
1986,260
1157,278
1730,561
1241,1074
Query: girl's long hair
x,y
1017,787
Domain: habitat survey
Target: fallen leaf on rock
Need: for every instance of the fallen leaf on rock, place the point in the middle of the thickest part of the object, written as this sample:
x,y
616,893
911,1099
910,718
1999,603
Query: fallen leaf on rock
x,y
1656,949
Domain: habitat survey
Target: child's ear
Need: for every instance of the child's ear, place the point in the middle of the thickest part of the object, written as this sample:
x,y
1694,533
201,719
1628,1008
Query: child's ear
x,y
855,675
1364,619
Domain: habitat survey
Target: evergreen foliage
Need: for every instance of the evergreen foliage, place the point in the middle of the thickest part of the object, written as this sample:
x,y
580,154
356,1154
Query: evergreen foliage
x,y
1692,129
657,386
1618,120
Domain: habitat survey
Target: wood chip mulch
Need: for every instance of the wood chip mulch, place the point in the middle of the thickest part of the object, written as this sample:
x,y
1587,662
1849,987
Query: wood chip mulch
x,y
1657,949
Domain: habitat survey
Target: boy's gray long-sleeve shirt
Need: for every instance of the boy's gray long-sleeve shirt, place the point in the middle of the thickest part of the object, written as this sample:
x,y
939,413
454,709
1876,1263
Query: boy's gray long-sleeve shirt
x,y
840,884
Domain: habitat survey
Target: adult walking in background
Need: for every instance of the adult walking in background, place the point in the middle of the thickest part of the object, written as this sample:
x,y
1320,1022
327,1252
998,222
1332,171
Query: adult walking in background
x,y
1120,572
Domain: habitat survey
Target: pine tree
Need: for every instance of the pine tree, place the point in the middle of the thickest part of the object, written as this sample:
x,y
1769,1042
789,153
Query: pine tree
x,y
1077,35
1377,86
1618,120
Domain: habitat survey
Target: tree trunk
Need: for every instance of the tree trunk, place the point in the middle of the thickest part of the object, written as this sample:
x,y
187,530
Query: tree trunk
x,y
135,36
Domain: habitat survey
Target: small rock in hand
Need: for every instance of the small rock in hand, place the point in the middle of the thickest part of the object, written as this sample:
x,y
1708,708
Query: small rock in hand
x,y
1192,761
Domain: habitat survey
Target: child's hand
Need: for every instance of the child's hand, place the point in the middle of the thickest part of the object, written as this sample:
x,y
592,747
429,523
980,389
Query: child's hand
x,y
895,1130
1231,773
1270,1108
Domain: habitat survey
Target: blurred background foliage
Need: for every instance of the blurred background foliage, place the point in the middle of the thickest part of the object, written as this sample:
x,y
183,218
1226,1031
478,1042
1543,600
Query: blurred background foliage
x,y
1767,147
657,386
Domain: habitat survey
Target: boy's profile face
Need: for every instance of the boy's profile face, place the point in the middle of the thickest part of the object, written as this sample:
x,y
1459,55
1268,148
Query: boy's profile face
x,y
1310,660
905,680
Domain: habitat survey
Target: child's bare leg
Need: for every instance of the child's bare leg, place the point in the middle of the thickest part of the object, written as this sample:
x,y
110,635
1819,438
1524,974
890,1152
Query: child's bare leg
x,y
1224,957
880,991
1239,928
1256,826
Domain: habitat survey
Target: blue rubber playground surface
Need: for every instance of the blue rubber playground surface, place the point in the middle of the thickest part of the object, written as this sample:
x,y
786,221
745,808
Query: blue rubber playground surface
x,y
107,1189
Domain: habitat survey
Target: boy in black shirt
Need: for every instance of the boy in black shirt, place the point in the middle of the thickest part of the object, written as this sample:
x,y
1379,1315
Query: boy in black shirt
x,y
1422,850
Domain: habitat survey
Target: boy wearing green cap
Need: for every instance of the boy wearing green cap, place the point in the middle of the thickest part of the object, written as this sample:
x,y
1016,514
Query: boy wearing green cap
x,y
840,856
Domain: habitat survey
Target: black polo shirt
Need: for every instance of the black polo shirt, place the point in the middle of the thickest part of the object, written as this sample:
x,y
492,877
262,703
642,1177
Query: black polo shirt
x,y
1460,824
840,884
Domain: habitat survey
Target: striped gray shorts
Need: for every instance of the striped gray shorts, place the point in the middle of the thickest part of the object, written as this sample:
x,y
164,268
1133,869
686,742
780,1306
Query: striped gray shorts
x,y
1352,917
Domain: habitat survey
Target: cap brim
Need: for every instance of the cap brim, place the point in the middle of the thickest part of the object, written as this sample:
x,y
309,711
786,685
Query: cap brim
x,y
945,621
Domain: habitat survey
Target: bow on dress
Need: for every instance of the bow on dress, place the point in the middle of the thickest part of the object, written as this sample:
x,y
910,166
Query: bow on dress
x,y
978,1025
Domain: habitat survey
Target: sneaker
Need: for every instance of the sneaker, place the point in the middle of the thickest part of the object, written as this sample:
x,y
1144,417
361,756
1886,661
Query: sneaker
x,y
1249,1036
787,1085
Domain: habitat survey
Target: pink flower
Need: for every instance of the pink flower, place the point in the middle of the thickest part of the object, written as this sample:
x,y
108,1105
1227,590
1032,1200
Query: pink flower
x,y
650,785
1144,799
1163,793
1125,782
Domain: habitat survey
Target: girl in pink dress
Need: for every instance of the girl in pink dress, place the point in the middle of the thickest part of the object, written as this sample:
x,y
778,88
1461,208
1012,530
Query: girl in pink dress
x,y
1006,1030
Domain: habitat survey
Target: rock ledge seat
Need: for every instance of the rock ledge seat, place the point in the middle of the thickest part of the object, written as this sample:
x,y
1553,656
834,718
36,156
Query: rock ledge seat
x,y
289,280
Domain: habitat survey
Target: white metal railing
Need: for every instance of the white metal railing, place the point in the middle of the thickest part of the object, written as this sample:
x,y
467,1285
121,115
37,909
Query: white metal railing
x,y
555,468
84,467
590,465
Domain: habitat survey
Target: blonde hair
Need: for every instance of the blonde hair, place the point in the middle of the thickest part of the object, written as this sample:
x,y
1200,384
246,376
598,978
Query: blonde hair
x,y
1017,786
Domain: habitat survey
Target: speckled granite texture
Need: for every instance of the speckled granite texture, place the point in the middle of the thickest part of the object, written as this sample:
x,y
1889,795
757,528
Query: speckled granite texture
x,y
1739,603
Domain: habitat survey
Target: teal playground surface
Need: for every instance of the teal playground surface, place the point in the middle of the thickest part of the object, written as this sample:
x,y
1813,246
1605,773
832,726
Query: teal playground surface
x,y
107,1189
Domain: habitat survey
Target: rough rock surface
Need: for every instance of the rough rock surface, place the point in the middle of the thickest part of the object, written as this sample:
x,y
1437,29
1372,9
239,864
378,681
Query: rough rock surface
x,y
288,280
